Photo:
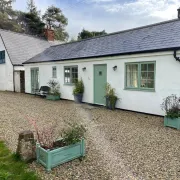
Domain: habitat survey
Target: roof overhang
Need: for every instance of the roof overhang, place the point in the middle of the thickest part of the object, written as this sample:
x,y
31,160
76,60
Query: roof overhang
x,y
109,55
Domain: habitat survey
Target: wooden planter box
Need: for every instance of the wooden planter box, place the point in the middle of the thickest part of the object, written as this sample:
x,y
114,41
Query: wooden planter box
x,y
53,97
174,123
53,158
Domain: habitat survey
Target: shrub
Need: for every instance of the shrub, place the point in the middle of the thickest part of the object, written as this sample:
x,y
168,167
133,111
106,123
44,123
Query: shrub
x,y
171,105
73,134
54,87
47,139
45,135
79,87
110,94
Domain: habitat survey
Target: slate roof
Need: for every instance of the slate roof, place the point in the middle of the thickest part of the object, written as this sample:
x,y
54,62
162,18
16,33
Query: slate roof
x,y
155,37
22,47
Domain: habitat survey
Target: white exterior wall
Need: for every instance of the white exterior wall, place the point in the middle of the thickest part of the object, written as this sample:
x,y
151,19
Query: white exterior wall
x,y
167,80
6,72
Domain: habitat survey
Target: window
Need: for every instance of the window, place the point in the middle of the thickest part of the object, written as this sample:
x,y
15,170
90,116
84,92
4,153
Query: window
x,y
140,76
54,72
70,74
2,57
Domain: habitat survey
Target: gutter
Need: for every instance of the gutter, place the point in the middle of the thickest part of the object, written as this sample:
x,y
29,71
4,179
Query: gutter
x,y
175,55
108,55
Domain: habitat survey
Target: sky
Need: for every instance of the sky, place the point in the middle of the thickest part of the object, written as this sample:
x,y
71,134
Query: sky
x,y
108,15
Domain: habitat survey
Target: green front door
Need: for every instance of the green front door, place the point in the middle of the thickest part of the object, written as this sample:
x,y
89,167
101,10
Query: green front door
x,y
34,80
100,80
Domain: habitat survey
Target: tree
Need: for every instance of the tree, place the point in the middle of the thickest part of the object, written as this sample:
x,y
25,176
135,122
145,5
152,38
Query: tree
x,y
56,19
84,34
31,6
6,6
31,21
8,17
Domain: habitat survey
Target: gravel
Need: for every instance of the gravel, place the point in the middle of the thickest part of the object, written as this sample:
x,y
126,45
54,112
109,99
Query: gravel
x,y
119,144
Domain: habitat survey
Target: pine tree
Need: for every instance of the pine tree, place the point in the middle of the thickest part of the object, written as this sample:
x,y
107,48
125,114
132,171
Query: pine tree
x,y
31,6
56,19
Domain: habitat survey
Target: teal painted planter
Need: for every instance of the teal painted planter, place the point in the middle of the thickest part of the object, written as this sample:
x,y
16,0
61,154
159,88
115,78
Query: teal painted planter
x,y
53,97
50,159
174,123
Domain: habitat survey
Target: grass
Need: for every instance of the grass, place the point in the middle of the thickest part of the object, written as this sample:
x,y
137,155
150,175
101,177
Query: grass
x,y
11,168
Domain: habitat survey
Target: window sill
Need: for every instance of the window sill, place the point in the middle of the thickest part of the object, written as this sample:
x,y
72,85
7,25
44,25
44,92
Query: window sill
x,y
144,90
70,84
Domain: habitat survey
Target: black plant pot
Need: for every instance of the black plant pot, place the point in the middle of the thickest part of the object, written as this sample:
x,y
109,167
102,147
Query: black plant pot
x,y
78,98
109,104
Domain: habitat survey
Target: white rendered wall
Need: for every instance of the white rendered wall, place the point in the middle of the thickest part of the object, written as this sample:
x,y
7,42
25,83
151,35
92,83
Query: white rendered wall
x,y
167,80
6,72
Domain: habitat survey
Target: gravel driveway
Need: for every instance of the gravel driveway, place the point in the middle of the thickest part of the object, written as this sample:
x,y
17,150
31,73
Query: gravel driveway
x,y
119,144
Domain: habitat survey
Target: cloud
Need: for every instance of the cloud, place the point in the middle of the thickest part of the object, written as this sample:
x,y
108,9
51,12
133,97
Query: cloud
x,y
111,15
100,1
165,9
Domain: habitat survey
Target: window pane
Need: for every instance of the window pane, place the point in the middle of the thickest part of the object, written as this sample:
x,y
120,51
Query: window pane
x,y
132,75
151,67
54,72
151,75
144,75
143,67
144,83
147,75
2,57
74,69
150,84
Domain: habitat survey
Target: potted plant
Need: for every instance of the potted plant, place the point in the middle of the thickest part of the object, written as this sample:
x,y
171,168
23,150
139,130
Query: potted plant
x,y
110,96
78,91
52,151
171,106
54,93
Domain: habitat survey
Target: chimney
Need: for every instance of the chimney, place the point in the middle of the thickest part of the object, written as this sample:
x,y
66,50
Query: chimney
x,y
178,13
49,33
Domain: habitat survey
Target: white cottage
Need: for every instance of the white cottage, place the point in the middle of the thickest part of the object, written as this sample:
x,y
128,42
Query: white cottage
x,y
141,64
16,48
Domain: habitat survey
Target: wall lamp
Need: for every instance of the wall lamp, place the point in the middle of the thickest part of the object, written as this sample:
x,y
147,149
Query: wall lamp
x,y
84,68
115,68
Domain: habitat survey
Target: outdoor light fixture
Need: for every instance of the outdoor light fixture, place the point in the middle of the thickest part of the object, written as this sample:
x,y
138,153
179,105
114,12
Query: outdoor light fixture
x,y
84,68
115,68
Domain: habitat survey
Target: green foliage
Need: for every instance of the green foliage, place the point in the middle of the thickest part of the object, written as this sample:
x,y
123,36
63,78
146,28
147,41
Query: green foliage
x,y
31,22
6,6
8,17
56,19
84,34
111,95
16,157
73,134
31,6
171,105
54,87
79,87
11,169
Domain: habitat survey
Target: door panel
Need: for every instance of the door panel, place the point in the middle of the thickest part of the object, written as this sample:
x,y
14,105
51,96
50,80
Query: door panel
x,y
22,81
100,80
34,80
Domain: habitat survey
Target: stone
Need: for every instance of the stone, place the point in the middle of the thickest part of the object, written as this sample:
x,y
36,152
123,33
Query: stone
x,y
26,146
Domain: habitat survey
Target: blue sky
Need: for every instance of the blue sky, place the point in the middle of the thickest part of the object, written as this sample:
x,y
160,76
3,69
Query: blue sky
x,y
111,15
